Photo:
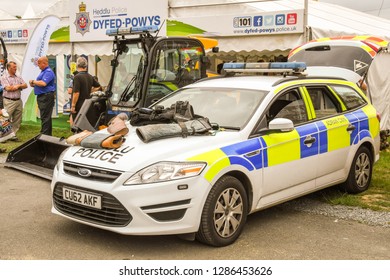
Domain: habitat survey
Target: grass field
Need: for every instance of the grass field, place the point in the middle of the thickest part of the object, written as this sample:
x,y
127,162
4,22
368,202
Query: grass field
x,y
377,197
28,130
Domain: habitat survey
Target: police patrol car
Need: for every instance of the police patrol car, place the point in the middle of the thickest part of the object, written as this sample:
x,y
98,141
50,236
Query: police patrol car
x,y
275,138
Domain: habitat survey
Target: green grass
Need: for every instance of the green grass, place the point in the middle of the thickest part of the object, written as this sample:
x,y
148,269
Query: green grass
x,y
29,130
377,197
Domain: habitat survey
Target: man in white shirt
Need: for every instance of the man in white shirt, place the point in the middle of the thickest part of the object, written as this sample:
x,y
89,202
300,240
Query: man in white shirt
x,y
12,86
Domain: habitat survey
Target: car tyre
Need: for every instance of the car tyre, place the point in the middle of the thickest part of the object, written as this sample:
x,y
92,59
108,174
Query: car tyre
x,y
360,173
224,213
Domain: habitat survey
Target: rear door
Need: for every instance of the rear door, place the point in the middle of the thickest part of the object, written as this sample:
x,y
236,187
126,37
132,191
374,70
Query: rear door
x,y
335,130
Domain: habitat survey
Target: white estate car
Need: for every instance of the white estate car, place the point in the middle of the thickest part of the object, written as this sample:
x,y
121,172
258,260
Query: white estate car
x,y
275,138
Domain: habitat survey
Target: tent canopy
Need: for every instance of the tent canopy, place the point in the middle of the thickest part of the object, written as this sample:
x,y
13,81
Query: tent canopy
x,y
379,87
324,20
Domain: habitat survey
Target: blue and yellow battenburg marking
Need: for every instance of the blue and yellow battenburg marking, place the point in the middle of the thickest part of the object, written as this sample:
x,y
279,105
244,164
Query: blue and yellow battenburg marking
x,y
278,148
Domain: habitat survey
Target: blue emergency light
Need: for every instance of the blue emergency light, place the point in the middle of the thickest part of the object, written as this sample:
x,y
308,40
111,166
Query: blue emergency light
x,y
142,29
264,67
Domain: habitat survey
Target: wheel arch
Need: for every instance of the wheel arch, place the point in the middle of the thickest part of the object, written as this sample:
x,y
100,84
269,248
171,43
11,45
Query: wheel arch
x,y
243,178
368,143
370,147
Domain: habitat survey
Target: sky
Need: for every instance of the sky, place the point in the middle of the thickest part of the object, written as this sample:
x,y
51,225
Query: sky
x,y
373,7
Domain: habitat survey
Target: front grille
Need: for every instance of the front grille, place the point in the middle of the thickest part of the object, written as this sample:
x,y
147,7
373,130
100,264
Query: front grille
x,y
113,213
97,174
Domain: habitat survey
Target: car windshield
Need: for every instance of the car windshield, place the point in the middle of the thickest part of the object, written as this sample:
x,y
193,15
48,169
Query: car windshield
x,y
229,108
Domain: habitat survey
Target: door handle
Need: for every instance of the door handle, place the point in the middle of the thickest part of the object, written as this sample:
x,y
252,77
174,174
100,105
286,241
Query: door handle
x,y
351,128
309,140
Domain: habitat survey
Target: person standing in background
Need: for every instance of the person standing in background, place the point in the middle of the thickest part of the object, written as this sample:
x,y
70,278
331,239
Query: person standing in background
x,y
1,96
44,88
70,92
83,85
12,89
2,150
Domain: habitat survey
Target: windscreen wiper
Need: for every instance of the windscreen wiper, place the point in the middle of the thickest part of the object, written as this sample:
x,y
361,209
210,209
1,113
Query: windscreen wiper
x,y
230,128
125,96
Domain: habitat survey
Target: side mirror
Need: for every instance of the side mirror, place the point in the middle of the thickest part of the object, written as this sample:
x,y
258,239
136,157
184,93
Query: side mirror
x,y
281,124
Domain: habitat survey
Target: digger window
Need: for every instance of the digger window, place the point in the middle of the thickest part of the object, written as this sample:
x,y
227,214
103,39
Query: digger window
x,y
128,76
176,64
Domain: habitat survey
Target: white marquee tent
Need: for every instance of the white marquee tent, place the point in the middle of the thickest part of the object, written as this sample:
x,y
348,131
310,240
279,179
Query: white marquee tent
x,y
324,20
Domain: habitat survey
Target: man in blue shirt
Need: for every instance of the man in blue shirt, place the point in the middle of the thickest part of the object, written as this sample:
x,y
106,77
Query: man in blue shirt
x,y
44,88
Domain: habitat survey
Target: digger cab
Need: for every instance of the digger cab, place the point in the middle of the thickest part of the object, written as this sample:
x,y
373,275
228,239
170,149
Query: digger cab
x,y
144,70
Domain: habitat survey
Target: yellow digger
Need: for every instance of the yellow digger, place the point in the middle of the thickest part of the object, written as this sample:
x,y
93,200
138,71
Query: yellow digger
x,y
145,68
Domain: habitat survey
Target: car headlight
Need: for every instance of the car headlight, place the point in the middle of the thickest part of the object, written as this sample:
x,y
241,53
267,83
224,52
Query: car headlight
x,y
57,167
166,171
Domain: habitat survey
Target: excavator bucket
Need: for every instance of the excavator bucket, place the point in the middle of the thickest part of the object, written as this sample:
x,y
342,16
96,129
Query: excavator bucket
x,y
38,156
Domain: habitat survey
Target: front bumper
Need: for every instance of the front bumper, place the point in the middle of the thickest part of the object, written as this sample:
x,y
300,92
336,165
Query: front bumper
x,y
172,207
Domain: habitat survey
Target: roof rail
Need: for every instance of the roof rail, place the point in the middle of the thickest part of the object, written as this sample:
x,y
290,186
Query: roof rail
x,y
266,67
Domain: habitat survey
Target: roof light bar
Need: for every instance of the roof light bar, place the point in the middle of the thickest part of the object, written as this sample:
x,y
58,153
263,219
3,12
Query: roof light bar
x,y
132,30
264,67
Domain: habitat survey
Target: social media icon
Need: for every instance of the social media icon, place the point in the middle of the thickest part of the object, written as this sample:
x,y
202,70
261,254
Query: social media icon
x,y
280,19
291,19
258,21
268,20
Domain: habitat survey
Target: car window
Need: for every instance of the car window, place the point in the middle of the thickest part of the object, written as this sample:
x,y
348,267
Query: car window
x,y
226,107
351,98
289,105
323,101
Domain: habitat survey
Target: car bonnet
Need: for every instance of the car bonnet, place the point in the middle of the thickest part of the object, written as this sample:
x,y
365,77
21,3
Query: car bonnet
x,y
135,154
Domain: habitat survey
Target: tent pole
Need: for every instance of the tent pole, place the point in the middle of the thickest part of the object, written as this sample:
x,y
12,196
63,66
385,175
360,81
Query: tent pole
x,y
305,21
73,58
96,67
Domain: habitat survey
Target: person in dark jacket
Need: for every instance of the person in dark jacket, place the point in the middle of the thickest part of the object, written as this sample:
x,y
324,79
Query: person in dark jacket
x,y
83,85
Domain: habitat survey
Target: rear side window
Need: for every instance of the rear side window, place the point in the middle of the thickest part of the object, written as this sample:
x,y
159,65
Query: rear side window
x,y
324,102
351,98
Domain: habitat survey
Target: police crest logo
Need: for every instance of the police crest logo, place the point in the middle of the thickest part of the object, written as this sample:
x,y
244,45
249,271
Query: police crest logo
x,y
82,21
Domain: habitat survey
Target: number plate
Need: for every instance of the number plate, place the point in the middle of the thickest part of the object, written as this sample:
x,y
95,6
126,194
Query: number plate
x,y
82,198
